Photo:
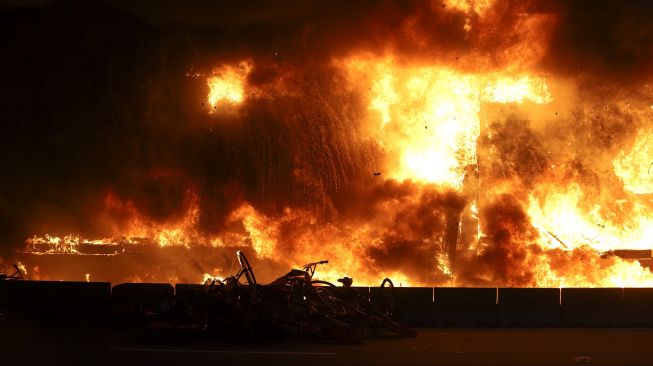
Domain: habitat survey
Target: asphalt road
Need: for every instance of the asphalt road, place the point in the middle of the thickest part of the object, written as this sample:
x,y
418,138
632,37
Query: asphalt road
x,y
40,343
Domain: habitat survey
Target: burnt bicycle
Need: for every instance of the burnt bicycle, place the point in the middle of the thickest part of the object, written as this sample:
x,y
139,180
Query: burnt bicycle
x,y
294,303
17,275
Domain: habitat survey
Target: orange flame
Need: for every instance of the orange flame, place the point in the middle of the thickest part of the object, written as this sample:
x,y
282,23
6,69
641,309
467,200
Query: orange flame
x,y
429,116
227,85
426,118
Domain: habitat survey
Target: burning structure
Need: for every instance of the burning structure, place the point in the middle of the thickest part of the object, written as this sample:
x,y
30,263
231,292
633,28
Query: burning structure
x,y
448,142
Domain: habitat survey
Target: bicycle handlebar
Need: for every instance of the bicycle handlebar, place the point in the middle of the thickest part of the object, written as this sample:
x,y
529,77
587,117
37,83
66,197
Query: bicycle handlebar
x,y
314,264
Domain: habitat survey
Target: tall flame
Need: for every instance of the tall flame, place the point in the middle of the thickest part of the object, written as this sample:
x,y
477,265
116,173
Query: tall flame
x,y
550,215
429,115
634,167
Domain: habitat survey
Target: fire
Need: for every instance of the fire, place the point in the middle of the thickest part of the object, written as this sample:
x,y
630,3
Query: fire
x,y
634,167
427,119
135,232
567,221
208,278
313,242
430,115
547,207
68,244
227,85
467,6
22,268
585,270
262,231
180,232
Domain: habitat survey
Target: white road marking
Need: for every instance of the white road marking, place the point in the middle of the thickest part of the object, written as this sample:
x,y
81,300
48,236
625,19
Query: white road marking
x,y
221,351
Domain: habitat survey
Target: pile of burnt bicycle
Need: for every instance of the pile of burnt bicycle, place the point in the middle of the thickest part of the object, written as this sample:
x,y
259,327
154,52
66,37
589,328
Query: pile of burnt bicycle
x,y
294,303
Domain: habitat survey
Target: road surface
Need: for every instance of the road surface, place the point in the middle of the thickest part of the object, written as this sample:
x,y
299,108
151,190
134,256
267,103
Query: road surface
x,y
57,343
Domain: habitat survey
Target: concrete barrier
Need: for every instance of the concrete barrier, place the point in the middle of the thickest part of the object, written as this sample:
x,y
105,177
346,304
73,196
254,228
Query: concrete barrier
x,y
592,307
425,307
135,299
638,307
529,307
345,292
184,288
185,293
12,296
413,305
466,307
55,299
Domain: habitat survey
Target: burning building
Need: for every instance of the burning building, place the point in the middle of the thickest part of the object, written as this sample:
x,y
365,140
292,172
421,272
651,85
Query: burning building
x,y
447,142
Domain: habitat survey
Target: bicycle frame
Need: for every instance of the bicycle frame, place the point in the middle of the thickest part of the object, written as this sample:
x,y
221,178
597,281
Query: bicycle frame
x,y
310,268
17,275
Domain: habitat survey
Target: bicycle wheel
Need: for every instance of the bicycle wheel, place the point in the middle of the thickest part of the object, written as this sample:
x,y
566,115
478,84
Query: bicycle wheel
x,y
327,298
247,269
386,302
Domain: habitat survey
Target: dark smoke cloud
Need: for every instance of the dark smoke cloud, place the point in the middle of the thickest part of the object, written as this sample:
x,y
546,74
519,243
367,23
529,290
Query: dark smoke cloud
x,y
608,40
510,148
505,249
417,233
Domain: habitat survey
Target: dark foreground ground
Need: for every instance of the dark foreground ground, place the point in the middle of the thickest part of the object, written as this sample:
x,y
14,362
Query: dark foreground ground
x,y
40,343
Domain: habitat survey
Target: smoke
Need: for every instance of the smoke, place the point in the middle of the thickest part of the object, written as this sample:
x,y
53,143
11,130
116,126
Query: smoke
x,y
604,40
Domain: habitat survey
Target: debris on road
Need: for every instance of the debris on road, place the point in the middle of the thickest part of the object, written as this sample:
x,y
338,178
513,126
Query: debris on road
x,y
294,303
